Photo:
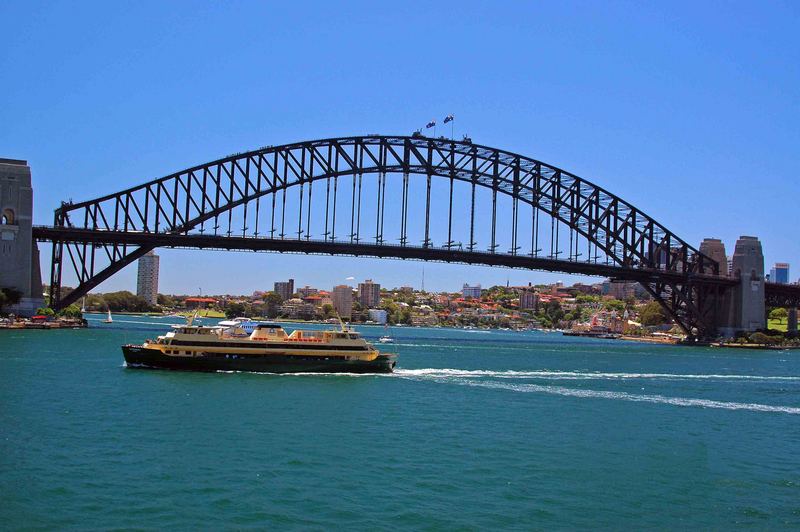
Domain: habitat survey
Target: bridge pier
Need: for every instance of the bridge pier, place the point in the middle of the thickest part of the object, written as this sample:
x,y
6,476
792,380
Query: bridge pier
x,y
714,248
18,251
791,323
746,309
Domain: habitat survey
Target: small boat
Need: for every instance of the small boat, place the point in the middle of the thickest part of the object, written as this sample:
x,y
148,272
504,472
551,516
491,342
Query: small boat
x,y
108,319
386,339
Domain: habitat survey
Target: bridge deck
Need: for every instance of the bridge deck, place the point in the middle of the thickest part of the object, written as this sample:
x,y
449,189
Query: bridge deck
x,y
320,247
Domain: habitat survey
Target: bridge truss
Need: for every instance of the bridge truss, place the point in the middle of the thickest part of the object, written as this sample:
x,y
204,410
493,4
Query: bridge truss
x,y
387,196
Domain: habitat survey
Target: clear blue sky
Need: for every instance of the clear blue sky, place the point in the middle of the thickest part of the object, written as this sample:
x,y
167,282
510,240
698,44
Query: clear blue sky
x,y
689,110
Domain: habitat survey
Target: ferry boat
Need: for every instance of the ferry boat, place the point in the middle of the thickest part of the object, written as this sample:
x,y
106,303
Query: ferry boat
x,y
268,348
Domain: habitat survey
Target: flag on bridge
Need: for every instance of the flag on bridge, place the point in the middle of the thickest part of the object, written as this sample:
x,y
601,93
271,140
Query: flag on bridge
x,y
449,118
431,124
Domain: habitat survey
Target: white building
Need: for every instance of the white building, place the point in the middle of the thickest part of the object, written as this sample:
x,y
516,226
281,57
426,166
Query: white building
x,y
378,315
147,279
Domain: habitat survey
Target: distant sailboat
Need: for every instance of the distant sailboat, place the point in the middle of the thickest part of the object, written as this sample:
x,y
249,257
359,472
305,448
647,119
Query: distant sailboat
x,y
108,319
386,339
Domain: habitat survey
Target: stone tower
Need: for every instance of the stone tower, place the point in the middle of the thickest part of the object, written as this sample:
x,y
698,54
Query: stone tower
x,y
714,248
19,255
748,311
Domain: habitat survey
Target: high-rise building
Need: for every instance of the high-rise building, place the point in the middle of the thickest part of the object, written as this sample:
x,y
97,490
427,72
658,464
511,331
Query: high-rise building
x,y
780,273
528,299
147,279
369,294
471,291
343,300
307,291
285,289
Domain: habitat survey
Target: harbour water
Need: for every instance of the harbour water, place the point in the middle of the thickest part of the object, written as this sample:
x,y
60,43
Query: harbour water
x,y
476,430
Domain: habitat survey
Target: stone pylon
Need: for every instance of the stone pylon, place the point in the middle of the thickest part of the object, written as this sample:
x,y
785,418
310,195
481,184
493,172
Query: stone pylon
x,y
748,311
714,248
19,255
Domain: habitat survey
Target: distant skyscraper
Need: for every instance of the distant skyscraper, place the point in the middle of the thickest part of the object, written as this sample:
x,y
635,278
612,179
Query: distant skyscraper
x,y
343,300
369,294
285,289
780,273
471,291
528,299
147,280
307,291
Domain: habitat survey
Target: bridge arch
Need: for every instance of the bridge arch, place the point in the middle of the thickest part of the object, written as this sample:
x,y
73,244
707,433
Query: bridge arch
x,y
127,224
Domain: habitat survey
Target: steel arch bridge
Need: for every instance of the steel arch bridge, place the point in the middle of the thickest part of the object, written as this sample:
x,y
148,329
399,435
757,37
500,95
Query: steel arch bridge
x,y
388,196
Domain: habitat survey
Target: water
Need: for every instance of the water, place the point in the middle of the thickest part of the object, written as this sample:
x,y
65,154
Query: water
x,y
475,430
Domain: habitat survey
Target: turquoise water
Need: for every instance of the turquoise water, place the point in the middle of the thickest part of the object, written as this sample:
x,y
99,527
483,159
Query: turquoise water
x,y
476,430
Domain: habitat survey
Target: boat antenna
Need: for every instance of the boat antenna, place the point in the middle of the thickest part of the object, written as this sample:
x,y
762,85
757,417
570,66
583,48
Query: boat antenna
x,y
190,319
341,322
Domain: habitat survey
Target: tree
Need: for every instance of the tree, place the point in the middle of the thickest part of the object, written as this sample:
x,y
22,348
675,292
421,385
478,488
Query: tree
x,y
779,314
272,301
614,304
554,311
763,339
9,296
235,309
327,310
652,314
125,301
72,311
166,301
45,311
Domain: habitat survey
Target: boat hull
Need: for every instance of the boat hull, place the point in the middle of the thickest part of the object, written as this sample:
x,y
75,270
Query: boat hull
x,y
137,356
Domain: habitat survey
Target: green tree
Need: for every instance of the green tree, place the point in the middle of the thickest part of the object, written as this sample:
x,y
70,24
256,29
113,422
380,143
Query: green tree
x,y
272,301
327,311
235,309
125,301
763,339
72,311
652,314
554,311
9,296
166,301
779,314
45,311
614,304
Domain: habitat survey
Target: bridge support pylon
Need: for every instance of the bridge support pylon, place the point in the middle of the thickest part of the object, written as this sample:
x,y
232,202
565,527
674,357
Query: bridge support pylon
x,y
19,254
747,309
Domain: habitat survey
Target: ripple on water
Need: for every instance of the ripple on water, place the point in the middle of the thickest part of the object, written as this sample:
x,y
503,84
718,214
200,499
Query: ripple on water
x,y
509,431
